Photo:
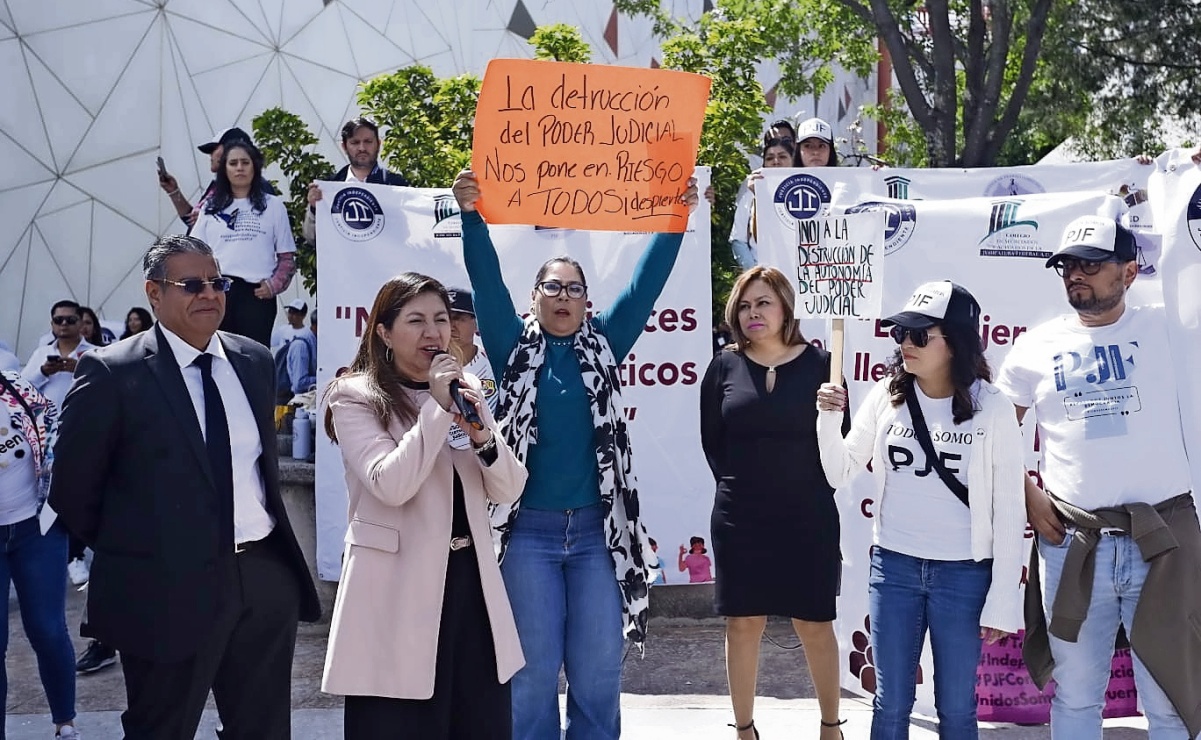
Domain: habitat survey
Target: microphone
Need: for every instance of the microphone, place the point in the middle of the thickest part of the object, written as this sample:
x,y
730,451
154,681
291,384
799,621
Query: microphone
x,y
466,410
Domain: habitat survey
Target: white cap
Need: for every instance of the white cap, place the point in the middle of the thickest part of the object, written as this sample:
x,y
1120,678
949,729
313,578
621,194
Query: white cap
x,y
814,128
298,305
1095,238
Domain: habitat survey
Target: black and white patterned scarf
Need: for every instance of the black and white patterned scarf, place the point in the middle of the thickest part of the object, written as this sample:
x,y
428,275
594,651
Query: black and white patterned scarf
x,y
518,411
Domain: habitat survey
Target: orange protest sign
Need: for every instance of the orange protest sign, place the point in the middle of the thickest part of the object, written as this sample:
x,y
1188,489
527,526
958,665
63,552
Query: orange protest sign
x,y
586,146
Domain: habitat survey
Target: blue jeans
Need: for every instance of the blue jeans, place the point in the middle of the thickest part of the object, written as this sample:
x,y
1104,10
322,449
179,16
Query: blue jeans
x,y
561,583
907,596
37,565
1082,668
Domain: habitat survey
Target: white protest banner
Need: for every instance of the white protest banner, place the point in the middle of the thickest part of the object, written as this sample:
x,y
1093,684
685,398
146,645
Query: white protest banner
x,y
839,266
371,232
995,246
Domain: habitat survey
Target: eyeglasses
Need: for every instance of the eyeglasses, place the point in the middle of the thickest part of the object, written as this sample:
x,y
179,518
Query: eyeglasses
x,y
920,337
552,288
1065,266
195,286
60,320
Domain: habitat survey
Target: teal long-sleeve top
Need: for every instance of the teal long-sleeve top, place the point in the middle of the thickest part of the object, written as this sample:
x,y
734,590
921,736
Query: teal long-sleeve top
x,y
562,465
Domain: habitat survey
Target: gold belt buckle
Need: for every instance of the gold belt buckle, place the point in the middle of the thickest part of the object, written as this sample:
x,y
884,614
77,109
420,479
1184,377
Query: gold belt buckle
x,y
459,543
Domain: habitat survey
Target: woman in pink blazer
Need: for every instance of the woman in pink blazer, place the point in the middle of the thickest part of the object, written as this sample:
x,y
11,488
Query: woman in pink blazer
x,y
422,642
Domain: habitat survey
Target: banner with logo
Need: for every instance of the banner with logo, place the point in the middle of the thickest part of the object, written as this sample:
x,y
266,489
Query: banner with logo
x,y
990,230
369,233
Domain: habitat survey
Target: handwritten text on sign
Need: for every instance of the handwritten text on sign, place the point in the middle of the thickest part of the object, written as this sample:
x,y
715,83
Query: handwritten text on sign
x,y
839,261
586,146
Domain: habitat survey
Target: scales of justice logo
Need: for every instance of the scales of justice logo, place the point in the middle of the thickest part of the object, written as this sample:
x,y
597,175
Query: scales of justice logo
x,y
357,214
1009,235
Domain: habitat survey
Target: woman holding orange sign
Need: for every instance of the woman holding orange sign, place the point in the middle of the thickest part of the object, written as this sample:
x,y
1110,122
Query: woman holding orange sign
x,y
575,555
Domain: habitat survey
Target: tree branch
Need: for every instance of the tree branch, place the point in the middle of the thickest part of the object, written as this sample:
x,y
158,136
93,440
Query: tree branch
x,y
989,100
902,63
1035,28
944,89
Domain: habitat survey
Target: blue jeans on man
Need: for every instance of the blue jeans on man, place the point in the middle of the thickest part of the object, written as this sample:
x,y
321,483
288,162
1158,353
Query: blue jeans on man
x,y
907,596
37,565
1082,668
567,606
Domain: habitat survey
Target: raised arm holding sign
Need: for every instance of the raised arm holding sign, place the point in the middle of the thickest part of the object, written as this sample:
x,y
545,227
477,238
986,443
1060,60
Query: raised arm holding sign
x,y
587,146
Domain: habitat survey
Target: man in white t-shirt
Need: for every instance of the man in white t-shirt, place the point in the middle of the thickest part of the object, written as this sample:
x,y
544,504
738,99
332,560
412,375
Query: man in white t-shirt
x,y
295,313
1115,490
463,330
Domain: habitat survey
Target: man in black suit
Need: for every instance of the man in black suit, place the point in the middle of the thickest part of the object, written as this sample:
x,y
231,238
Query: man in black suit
x,y
167,467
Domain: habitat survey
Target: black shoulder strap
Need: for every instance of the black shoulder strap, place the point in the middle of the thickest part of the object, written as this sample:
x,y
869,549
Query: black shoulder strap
x,y
922,433
17,394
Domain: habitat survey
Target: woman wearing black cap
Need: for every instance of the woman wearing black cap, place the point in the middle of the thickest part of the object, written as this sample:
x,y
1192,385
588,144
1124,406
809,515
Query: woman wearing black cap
x,y
946,456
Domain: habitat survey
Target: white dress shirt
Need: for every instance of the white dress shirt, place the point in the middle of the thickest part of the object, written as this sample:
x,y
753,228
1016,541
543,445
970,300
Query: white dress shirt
x,y
251,519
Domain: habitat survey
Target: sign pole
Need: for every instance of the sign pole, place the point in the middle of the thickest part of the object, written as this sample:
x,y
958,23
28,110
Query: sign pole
x,y
837,339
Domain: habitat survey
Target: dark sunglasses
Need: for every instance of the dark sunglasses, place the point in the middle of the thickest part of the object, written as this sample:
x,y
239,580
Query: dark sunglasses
x,y
920,337
60,320
552,289
1065,266
195,286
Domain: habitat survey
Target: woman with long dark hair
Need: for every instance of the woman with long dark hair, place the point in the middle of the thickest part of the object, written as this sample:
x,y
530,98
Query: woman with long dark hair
x,y
92,330
946,455
576,553
251,237
772,502
137,321
419,542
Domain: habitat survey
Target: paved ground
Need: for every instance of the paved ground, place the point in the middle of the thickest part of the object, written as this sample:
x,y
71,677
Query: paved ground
x,y
677,691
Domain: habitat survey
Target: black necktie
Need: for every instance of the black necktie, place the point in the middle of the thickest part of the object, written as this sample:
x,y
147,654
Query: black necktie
x,y
216,439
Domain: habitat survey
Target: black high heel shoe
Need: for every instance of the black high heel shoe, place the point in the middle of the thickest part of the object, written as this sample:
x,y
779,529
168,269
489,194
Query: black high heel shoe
x,y
748,726
839,724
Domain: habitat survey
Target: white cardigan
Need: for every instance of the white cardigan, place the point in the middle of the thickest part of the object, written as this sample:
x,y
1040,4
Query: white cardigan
x,y
995,474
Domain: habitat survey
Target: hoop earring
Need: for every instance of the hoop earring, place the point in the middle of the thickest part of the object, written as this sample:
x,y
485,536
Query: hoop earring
x,y
388,355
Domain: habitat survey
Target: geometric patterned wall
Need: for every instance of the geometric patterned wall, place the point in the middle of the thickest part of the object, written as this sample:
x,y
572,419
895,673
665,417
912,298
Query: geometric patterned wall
x,y
95,90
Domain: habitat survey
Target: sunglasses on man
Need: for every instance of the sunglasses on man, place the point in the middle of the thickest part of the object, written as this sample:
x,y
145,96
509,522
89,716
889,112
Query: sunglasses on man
x,y
70,319
552,289
195,286
920,337
1065,266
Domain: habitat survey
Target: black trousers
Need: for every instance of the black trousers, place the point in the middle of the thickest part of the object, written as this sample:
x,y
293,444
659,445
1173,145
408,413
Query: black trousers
x,y
247,315
75,548
246,660
468,702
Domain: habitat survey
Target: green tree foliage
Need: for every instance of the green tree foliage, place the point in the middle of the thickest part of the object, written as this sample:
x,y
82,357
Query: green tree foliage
x,y
285,140
560,43
804,37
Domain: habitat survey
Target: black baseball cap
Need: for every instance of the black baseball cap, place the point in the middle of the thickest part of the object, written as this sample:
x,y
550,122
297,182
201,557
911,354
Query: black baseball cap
x,y
939,302
461,300
221,138
1096,239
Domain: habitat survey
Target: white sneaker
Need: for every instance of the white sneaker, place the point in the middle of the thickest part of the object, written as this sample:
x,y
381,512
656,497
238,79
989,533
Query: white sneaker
x,y
77,571
68,731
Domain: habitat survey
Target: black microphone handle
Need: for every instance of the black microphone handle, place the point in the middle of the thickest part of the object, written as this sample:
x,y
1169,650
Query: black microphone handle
x,y
466,410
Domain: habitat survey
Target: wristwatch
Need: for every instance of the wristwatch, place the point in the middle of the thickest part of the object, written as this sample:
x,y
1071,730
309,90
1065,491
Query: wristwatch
x,y
486,451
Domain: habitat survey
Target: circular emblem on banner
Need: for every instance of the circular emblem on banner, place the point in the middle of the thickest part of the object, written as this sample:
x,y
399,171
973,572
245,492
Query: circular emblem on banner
x,y
1193,214
357,214
799,198
899,221
1013,185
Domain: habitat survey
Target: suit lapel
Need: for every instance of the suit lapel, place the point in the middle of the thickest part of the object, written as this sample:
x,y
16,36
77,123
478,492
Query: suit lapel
x,y
166,371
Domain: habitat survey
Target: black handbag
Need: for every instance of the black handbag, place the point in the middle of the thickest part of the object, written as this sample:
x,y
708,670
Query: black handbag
x,y
922,433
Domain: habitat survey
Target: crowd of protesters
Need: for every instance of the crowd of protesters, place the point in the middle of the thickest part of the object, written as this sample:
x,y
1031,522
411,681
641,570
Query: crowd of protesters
x,y
446,441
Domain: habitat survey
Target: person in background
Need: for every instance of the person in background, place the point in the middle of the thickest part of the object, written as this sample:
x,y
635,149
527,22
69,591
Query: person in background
x,y
575,553
215,149
815,144
361,142
660,578
35,547
436,660
251,236
302,358
777,152
946,466
463,330
695,560
772,503
167,467
295,312
1118,539
137,321
92,331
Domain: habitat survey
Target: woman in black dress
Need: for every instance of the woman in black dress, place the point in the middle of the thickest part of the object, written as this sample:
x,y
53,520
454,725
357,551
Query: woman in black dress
x,y
775,524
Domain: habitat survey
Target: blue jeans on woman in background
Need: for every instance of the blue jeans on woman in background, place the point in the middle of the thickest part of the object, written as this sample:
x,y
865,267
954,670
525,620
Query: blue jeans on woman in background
x,y
562,586
37,565
907,596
